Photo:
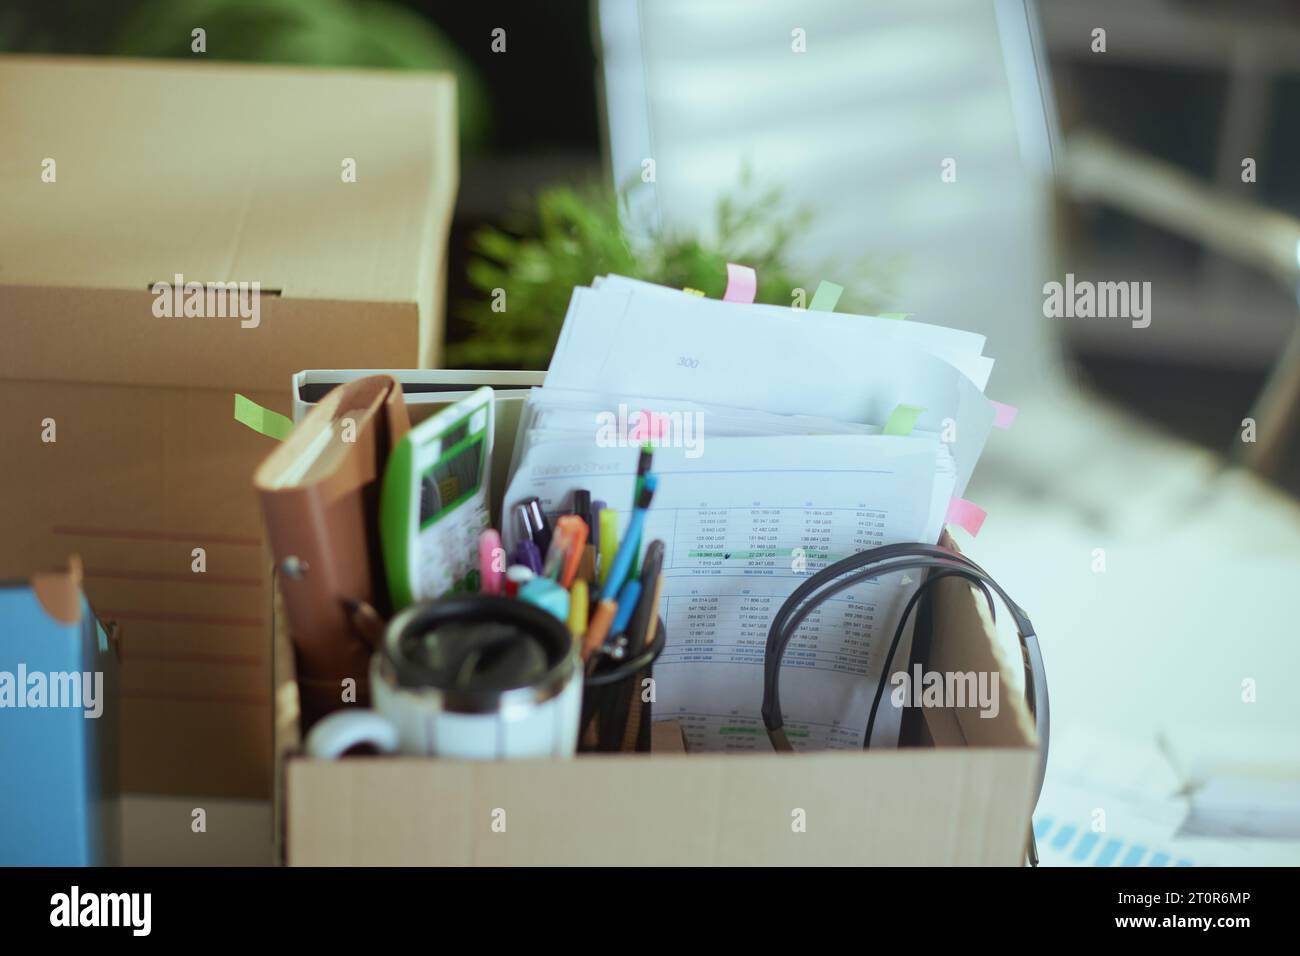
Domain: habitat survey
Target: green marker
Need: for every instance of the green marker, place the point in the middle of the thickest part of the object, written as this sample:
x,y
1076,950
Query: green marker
x,y
608,540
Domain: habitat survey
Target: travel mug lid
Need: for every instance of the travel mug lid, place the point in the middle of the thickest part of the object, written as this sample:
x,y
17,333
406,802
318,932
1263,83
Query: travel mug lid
x,y
479,653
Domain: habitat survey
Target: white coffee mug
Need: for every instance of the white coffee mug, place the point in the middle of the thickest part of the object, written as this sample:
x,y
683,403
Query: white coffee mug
x,y
473,677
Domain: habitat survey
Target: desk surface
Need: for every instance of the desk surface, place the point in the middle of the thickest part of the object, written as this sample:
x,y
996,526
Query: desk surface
x,y
1159,587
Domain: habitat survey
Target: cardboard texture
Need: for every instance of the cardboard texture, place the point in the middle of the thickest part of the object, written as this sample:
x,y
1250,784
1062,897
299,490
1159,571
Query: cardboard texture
x,y
964,798
667,737
158,172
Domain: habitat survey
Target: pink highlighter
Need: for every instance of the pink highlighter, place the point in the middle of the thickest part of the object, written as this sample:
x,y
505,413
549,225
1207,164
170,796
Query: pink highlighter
x,y
491,559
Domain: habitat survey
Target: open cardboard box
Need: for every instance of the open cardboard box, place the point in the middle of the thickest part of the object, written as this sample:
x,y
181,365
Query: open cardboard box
x,y
959,792
118,433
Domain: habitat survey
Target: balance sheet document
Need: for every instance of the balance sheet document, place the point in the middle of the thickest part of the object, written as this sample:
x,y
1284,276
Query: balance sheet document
x,y
744,524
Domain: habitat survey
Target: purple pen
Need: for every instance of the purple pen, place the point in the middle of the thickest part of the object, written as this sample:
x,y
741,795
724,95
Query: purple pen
x,y
528,554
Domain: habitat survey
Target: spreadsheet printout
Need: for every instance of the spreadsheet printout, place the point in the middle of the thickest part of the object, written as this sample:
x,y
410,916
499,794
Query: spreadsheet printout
x,y
744,525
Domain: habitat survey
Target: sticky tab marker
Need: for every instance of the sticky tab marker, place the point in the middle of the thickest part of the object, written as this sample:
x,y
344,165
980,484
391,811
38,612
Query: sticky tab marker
x,y
826,297
1003,415
649,427
659,424
689,291
902,419
742,283
899,316
969,516
262,420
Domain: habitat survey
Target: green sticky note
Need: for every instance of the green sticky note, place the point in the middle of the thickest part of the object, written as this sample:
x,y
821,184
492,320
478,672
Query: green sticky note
x,y
902,420
824,299
262,420
894,315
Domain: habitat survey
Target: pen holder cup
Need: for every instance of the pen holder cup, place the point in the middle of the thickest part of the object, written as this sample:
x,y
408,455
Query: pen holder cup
x,y
616,701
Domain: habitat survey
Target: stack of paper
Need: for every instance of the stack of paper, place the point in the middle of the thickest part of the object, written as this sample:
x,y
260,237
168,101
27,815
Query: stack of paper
x,y
1113,801
785,439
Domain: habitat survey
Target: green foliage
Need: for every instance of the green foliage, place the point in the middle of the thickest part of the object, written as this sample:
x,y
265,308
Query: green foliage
x,y
574,235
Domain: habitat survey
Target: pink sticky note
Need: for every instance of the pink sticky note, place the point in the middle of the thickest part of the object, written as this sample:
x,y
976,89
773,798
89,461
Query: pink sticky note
x,y
641,430
1003,414
742,283
650,426
969,516
658,426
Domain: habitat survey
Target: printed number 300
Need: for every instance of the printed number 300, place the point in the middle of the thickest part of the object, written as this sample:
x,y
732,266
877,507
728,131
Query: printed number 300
x,y
688,362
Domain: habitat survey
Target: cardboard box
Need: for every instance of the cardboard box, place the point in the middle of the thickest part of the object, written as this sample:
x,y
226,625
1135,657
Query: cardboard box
x,y
119,175
961,793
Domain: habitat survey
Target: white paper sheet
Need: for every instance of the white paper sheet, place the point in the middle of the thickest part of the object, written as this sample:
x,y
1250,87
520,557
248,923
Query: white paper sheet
x,y
731,521
1116,801
619,342
963,350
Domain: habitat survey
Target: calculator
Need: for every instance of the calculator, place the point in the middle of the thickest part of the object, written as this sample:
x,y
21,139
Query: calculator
x,y
433,504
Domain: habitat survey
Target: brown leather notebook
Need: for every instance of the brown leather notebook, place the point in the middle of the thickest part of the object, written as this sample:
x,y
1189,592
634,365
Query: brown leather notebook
x,y
320,500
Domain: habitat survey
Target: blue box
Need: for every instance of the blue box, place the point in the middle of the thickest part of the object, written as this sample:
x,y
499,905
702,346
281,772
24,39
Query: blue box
x,y
58,726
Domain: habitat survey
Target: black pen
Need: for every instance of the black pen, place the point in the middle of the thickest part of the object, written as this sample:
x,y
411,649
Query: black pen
x,y
647,606
643,464
582,505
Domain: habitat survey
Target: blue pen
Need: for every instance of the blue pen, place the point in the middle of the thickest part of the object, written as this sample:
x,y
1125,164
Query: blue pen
x,y
631,540
627,599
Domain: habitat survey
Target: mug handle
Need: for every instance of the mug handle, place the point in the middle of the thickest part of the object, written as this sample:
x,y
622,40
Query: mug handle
x,y
344,729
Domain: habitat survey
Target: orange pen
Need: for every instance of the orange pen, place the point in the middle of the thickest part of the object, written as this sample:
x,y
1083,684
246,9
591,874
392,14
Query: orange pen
x,y
598,627
574,530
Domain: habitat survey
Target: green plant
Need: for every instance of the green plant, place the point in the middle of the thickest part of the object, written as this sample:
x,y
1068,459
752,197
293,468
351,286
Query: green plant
x,y
576,234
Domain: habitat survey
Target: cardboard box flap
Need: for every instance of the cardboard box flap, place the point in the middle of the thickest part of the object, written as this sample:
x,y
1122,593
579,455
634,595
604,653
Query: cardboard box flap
x,y
944,807
223,174
958,610
120,341
59,592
